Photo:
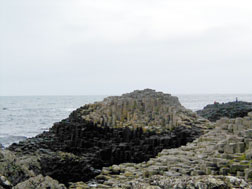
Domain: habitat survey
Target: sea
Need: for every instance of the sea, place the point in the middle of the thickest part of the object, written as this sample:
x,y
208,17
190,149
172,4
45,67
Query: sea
x,y
22,117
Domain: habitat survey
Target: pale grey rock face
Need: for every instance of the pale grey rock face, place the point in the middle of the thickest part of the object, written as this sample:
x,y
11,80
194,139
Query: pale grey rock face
x,y
141,108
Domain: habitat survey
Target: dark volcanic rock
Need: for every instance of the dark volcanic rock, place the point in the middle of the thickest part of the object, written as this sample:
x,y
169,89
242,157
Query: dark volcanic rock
x,y
11,172
216,111
82,148
131,128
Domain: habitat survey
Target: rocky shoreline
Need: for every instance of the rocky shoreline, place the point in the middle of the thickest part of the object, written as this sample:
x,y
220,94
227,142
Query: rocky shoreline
x,y
143,139
214,112
221,157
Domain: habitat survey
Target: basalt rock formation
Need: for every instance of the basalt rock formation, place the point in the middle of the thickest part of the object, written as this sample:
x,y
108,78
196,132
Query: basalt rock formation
x,y
221,158
130,128
214,112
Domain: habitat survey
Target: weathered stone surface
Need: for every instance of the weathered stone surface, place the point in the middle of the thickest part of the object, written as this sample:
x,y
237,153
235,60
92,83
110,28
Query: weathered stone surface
x,y
12,171
240,147
250,114
40,182
248,174
179,182
218,152
230,148
136,147
4,182
216,111
197,182
133,127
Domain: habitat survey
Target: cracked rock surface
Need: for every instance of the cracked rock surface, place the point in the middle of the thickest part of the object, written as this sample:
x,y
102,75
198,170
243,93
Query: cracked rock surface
x,y
222,156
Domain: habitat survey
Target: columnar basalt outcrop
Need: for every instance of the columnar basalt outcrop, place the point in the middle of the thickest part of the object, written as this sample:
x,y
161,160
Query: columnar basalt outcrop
x,y
147,109
221,158
130,128
214,112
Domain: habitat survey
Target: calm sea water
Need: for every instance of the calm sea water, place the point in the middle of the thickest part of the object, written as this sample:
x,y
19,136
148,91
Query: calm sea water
x,y
22,117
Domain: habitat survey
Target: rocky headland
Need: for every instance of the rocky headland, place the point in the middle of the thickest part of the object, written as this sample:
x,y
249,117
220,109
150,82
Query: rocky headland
x,y
214,112
143,139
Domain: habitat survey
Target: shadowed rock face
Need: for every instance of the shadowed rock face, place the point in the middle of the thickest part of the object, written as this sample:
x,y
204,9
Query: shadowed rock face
x,y
97,147
221,158
214,112
84,149
131,128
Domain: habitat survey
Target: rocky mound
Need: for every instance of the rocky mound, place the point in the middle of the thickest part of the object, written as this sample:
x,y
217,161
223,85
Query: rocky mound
x,y
214,112
147,109
221,158
133,128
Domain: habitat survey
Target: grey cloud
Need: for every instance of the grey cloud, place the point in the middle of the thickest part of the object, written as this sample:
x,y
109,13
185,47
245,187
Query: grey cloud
x,y
93,47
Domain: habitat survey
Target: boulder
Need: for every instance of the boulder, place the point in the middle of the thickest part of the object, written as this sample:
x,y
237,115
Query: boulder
x,y
40,182
11,169
4,182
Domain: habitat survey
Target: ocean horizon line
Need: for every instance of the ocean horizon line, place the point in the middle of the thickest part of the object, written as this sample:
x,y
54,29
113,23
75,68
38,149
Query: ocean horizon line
x,y
72,95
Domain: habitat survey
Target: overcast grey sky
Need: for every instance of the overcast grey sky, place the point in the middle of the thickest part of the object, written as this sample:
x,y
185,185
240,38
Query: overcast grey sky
x,y
83,47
